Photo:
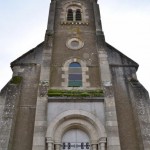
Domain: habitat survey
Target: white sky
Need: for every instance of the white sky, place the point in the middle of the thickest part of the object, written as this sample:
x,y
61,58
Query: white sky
x,y
126,25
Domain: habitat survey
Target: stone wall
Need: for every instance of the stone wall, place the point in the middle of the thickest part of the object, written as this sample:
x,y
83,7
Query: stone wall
x,y
132,102
141,110
126,121
17,109
9,100
23,132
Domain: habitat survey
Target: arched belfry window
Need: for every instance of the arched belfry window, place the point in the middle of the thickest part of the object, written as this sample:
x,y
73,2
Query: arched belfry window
x,y
74,14
75,75
78,15
70,15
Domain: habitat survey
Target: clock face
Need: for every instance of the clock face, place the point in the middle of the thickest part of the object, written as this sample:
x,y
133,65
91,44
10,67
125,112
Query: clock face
x,y
74,44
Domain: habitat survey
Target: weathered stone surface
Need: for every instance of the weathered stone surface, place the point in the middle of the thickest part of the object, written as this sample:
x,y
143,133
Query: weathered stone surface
x,y
26,108
30,120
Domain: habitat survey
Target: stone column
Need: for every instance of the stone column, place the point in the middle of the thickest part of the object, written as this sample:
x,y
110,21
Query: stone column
x,y
50,144
74,15
57,146
102,144
94,146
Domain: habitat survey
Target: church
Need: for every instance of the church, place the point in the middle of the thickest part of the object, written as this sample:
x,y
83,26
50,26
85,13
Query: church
x,y
74,91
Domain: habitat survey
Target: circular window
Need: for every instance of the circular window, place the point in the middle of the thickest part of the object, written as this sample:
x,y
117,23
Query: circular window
x,y
74,44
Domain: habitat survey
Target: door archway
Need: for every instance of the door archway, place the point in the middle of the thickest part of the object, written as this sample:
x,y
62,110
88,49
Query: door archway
x,y
83,122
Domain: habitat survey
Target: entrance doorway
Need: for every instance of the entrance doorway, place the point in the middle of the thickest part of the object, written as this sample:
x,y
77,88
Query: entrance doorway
x,y
75,139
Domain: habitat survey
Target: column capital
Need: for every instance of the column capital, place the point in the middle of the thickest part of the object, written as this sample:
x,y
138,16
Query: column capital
x,y
102,140
58,143
49,140
94,142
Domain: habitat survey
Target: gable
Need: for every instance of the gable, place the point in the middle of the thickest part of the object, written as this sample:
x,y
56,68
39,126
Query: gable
x,y
115,57
32,56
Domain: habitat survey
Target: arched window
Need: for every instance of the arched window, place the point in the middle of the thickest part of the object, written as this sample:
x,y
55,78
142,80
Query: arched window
x,y
70,15
75,75
78,15
74,14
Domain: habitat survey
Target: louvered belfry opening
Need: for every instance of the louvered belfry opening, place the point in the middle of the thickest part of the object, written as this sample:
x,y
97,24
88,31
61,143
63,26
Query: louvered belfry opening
x,y
70,15
78,15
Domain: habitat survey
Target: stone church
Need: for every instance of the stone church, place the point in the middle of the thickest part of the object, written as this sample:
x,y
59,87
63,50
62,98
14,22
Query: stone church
x,y
74,91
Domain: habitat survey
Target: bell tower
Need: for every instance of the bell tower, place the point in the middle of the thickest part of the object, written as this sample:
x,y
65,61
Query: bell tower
x,y
75,72
74,91
73,26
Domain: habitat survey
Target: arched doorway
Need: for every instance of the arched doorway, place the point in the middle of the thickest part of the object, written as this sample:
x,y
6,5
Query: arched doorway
x,y
75,139
76,126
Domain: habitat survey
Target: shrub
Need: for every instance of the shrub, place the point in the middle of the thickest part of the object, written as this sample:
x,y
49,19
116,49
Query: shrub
x,y
16,80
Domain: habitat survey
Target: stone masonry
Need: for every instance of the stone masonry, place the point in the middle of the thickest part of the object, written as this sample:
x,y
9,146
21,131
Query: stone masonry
x,y
41,110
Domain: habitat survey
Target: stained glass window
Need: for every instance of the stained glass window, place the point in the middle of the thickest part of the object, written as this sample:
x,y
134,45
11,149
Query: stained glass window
x,y
75,75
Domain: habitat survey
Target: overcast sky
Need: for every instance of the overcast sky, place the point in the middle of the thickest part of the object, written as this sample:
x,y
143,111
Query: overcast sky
x,y
126,25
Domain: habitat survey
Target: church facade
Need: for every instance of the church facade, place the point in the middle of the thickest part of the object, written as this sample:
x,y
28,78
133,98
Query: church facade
x,y
74,91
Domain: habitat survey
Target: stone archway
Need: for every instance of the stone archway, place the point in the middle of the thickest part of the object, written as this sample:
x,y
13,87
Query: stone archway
x,y
78,119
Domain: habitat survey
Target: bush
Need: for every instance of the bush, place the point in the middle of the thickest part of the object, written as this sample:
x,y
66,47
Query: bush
x,y
16,80
85,94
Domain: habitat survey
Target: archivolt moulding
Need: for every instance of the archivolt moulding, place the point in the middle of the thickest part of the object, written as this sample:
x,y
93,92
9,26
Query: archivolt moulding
x,y
78,118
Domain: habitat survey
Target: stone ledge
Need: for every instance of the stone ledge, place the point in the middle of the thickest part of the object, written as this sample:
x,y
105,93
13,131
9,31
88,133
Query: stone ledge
x,y
70,99
74,23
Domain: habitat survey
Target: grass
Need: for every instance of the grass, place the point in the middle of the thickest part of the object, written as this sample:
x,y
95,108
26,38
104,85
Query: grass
x,y
75,93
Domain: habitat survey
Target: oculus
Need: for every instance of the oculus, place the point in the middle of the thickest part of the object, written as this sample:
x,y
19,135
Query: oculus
x,y
74,44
